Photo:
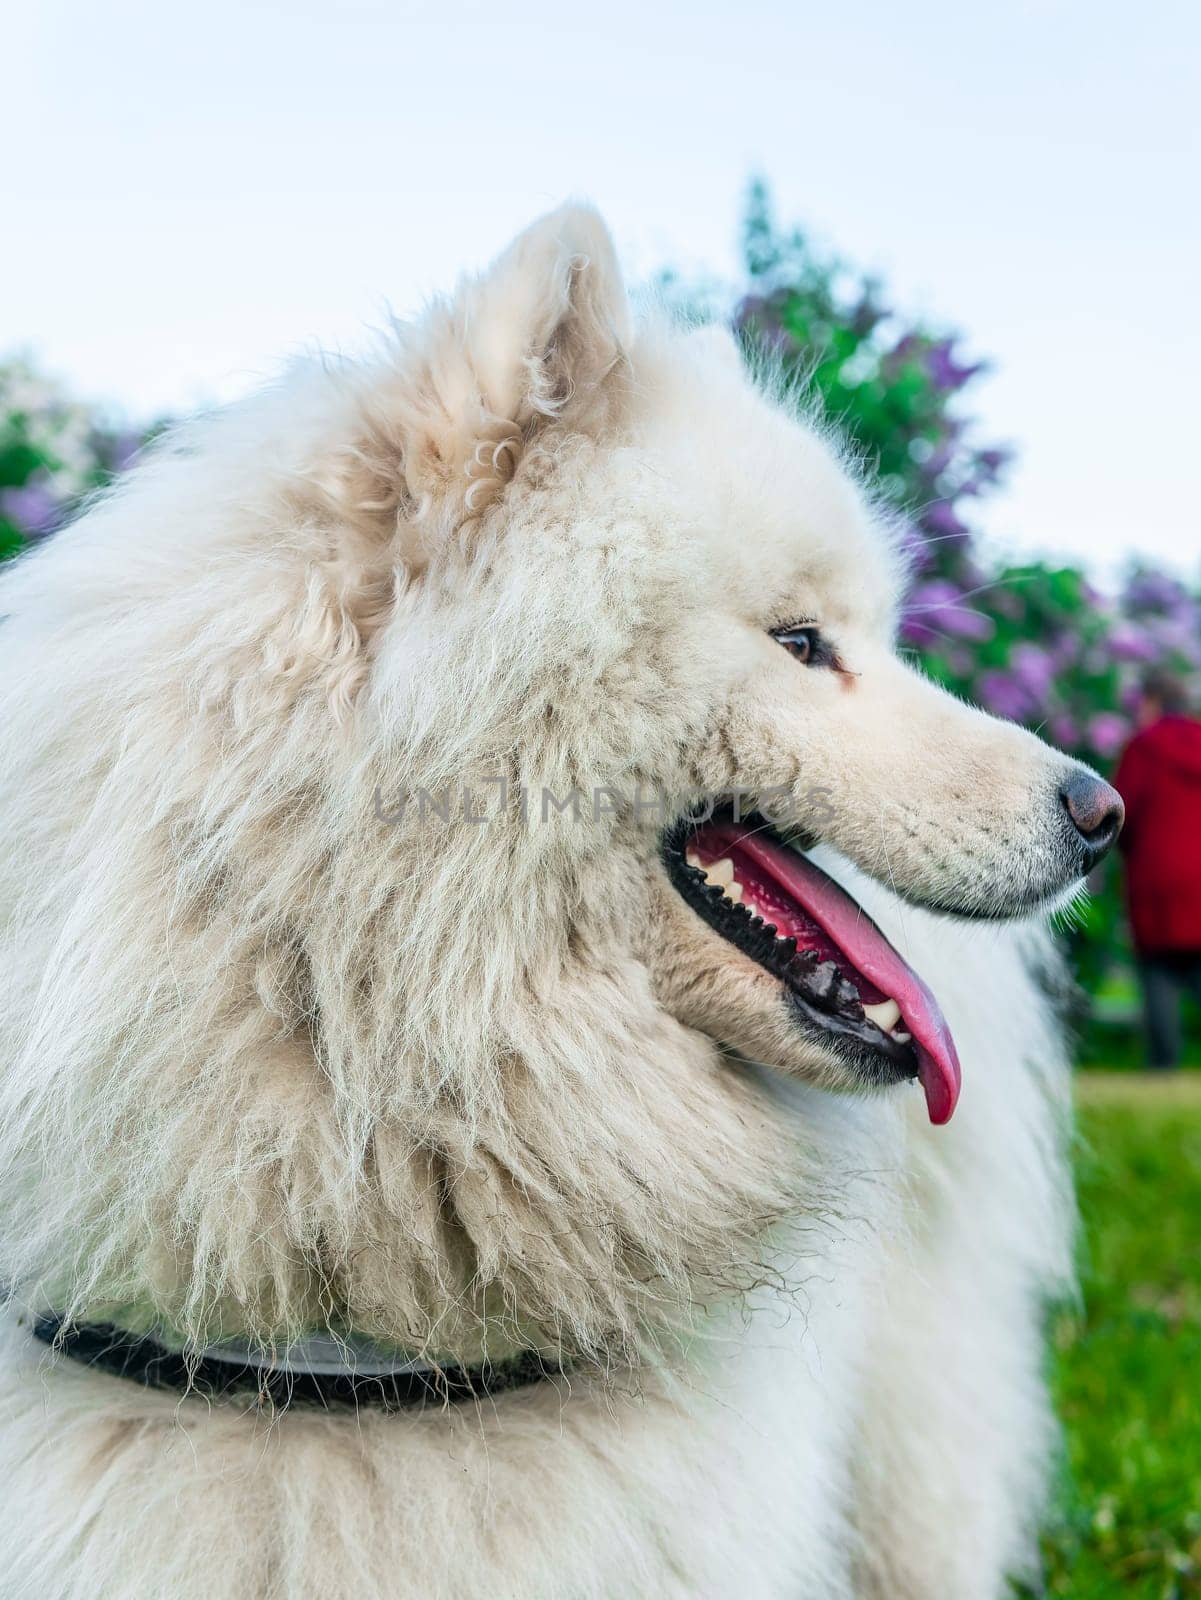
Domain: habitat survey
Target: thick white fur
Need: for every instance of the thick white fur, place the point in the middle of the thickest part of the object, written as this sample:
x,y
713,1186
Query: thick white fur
x,y
270,1062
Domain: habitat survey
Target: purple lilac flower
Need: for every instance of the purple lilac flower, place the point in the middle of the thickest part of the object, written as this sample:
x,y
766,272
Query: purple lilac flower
x,y
1006,602
1129,643
960,661
1177,637
769,330
940,521
1065,650
944,370
915,547
965,622
751,306
1033,668
121,450
868,313
939,459
938,607
33,508
994,461
1005,696
1107,732
1064,730
1149,590
914,632
935,595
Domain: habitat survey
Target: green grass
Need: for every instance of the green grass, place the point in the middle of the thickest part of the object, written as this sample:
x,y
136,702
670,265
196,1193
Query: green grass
x,y
1127,1363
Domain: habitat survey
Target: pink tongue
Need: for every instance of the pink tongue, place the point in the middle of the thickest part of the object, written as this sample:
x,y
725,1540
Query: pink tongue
x,y
854,932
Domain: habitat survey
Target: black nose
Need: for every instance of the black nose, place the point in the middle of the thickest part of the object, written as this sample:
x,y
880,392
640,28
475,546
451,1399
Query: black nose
x,y
1096,812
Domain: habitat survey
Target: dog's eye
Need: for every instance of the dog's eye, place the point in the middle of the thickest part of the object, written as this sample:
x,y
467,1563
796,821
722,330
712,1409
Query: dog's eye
x,y
806,644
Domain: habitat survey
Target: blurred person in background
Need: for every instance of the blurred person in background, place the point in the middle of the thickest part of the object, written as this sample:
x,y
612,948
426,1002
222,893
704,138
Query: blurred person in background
x,y
1159,778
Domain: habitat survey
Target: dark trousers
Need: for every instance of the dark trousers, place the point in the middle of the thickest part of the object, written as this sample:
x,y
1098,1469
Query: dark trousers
x,y
1165,978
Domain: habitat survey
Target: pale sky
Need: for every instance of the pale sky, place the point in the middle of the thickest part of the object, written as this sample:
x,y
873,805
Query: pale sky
x,y
190,192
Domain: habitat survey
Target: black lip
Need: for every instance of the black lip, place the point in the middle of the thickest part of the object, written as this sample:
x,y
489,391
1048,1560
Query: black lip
x,y
1003,909
999,902
823,1000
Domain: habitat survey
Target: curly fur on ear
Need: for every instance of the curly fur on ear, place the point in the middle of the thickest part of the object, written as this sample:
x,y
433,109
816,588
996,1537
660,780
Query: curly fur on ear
x,y
539,338
438,426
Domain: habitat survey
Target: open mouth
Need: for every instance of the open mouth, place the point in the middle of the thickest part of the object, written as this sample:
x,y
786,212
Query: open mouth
x,y
845,983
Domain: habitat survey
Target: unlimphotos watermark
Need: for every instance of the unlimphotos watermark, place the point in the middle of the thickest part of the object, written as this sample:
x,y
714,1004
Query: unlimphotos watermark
x,y
490,800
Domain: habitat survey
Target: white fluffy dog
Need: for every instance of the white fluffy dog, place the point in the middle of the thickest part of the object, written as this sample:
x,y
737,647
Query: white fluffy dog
x,y
405,993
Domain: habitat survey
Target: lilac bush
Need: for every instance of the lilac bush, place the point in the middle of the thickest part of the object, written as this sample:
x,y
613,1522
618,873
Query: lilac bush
x,y
1034,642
53,452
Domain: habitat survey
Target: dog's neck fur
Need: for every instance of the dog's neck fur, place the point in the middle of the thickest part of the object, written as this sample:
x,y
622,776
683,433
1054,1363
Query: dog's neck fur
x,y
437,1126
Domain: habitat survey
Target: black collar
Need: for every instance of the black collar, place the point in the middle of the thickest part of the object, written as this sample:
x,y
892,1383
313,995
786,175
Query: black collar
x,y
141,1358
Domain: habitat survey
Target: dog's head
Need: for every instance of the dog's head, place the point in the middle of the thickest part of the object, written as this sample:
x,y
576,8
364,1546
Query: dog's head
x,y
655,601
424,903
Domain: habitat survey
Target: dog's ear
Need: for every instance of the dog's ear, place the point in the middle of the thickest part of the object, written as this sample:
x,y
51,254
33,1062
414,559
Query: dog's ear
x,y
540,337
438,428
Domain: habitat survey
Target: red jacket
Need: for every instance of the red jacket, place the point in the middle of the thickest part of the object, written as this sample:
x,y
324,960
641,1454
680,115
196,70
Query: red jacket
x,y
1159,778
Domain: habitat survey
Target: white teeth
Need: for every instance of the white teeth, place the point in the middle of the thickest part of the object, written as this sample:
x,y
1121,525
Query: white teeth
x,y
886,1015
720,873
